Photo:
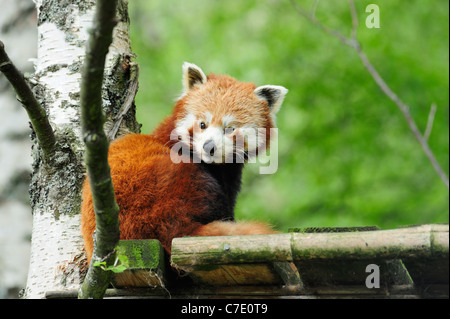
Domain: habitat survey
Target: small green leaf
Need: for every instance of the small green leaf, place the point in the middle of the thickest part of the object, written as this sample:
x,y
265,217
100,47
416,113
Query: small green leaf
x,y
118,269
101,264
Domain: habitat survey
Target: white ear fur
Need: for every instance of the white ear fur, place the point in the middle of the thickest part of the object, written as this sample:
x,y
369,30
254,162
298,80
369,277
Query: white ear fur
x,y
273,95
192,75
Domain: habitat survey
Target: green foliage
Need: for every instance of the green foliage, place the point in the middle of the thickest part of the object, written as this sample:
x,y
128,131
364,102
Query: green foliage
x,y
346,155
117,267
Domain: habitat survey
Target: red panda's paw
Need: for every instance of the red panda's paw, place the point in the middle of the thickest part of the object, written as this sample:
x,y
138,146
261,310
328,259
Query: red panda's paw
x,y
229,228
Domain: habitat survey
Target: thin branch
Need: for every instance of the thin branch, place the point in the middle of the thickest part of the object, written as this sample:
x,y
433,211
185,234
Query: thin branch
x,y
404,109
355,22
400,104
324,28
430,121
314,8
36,113
106,209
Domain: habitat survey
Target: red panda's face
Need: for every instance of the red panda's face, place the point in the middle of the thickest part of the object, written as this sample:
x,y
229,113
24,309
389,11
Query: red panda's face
x,y
223,120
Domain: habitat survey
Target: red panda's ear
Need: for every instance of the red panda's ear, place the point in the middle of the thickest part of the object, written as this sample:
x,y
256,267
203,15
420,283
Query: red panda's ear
x,y
273,95
192,75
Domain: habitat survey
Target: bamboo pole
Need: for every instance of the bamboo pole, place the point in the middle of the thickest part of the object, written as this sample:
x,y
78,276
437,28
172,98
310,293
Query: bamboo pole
x,y
425,241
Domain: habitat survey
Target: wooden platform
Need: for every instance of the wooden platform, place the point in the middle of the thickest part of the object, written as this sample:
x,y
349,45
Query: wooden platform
x,y
408,262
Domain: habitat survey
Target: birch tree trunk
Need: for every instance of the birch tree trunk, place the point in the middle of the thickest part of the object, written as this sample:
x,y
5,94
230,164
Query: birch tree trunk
x,y
57,257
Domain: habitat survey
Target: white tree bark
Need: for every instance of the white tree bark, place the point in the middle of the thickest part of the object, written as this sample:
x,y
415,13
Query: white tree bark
x,y
56,251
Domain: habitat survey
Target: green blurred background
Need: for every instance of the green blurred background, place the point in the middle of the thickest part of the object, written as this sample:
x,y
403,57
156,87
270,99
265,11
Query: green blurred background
x,y
346,154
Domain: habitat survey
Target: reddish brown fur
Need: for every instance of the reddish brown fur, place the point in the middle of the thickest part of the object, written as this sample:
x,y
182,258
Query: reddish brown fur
x,y
160,199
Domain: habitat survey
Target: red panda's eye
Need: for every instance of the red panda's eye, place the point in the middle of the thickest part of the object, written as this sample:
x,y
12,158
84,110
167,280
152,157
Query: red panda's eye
x,y
229,130
202,125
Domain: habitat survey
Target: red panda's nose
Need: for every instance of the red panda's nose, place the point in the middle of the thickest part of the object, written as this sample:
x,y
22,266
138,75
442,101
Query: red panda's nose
x,y
209,147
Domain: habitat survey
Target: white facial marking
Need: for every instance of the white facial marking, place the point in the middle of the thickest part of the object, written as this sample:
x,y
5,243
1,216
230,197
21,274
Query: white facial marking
x,y
227,120
182,127
207,117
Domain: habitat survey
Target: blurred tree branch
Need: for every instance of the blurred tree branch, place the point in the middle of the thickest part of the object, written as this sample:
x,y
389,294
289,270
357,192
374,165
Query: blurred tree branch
x,y
430,121
353,42
107,232
36,112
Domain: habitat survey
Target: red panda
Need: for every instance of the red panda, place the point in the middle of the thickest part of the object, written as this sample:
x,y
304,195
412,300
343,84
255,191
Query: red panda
x,y
162,193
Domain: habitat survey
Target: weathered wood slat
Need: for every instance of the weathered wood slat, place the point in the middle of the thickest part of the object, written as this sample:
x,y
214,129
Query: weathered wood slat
x,y
414,242
192,251
336,257
332,229
395,291
316,273
239,274
144,260
321,263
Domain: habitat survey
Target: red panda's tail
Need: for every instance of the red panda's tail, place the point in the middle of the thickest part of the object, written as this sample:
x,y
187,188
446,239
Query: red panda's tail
x,y
229,228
